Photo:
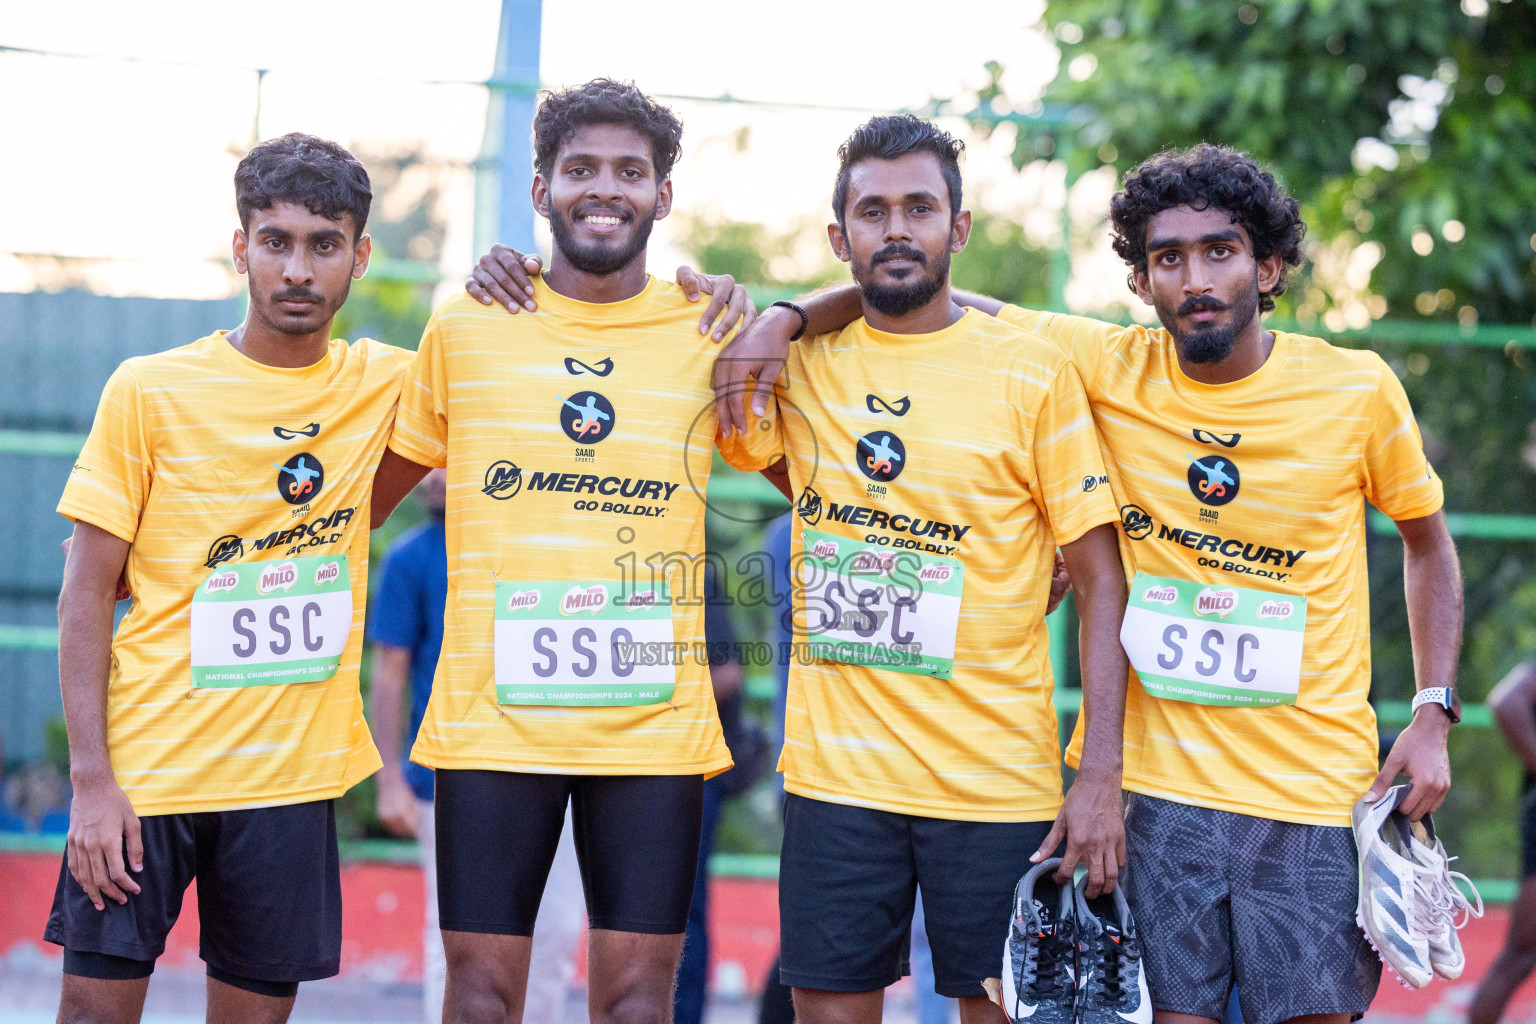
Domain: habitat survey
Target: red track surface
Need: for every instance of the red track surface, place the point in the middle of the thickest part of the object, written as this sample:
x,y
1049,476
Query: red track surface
x,y
383,913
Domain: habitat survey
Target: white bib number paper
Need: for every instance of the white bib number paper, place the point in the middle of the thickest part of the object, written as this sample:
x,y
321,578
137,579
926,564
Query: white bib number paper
x,y
586,644
261,623
1220,645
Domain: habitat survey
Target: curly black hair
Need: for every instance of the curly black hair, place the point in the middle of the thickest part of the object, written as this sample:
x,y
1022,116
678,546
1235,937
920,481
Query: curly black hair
x,y
304,170
604,101
895,135
1203,177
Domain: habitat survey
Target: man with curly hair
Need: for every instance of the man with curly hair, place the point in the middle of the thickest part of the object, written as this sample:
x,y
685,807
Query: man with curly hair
x,y
577,440
1242,460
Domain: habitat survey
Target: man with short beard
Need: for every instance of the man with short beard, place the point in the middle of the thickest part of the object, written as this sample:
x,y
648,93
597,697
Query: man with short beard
x,y
1243,460
578,442
941,456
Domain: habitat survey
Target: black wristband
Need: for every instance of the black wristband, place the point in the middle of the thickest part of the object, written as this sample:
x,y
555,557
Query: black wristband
x,y
805,321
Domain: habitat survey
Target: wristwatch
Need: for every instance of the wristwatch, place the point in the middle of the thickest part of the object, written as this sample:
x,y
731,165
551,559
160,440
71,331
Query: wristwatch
x,y
1444,697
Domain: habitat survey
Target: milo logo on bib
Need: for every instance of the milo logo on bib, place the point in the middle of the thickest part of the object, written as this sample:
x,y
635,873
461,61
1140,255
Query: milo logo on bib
x,y
279,577
1226,646
584,599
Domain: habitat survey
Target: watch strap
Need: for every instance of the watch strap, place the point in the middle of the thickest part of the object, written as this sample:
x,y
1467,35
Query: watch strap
x,y
1441,696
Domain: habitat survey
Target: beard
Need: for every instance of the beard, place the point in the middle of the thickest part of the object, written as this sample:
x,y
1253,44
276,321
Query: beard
x,y
901,299
599,258
1209,344
321,313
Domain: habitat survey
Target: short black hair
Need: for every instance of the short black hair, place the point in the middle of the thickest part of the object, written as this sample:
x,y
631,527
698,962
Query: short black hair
x,y
604,101
1207,177
307,171
895,135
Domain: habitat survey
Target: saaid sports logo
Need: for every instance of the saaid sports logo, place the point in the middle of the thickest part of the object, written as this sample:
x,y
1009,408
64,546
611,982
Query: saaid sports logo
x,y
809,506
1213,479
586,417
300,478
503,480
881,456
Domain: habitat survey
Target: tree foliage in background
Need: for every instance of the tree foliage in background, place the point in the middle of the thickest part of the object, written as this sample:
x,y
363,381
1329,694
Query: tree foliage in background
x,y
1407,129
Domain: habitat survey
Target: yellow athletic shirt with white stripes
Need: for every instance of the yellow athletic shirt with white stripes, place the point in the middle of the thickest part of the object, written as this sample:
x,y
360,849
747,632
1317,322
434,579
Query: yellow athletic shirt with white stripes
x,y
1302,444
578,441
185,462
972,443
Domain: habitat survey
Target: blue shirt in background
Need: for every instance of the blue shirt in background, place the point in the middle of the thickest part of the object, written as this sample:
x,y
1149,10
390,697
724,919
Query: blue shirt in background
x,y
407,611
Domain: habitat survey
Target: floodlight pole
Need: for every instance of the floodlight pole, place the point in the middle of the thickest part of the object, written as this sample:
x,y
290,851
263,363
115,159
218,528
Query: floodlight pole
x,y
503,211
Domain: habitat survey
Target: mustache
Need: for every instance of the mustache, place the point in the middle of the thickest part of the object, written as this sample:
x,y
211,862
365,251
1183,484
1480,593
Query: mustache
x,y
295,295
898,251
1201,304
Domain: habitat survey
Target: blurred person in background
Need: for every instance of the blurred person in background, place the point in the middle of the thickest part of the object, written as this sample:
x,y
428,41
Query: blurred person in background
x,y
1514,708
406,630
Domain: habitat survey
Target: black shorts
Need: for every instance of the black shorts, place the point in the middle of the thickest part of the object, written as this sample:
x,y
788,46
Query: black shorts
x,y
268,898
848,877
1528,834
1223,898
637,839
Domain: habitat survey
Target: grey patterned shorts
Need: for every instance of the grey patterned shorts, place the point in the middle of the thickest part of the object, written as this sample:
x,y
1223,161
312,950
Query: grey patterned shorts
x,y
1269,906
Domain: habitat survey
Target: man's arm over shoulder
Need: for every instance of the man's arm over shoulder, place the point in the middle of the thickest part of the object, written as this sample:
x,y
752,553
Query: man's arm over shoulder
x,y
1085,340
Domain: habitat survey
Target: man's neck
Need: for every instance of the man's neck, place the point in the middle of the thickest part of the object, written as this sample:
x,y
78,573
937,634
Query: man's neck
x,y
934,315
1249,351
624,283
258,341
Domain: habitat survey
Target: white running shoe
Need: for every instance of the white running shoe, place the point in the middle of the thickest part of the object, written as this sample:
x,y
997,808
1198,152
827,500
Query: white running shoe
x,y
1040,953
1113,987
1447,898
1396,908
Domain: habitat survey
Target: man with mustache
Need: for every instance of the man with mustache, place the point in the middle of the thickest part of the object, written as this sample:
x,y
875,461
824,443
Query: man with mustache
x,y
227,483
950,451
574,437
1243,460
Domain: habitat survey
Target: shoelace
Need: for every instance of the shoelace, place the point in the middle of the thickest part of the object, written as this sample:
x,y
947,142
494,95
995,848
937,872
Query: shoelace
x,y
1428,909
1112,962
1449,901
1045,964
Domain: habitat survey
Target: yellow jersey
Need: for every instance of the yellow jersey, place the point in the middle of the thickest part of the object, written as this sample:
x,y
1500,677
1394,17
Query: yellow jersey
x,y
1257,487
943,470
578,441
230,480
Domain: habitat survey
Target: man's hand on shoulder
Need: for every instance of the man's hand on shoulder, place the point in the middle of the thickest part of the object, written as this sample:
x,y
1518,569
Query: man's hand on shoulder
x,y
505,275
729,304
753,360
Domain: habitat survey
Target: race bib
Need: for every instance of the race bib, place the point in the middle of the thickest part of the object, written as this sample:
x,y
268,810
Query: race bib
x,y
583,644
891,609
1209,644
261,623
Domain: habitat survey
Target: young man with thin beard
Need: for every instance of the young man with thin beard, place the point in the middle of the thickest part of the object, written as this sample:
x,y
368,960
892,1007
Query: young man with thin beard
x,y
1242,770
228,481
574,438
940,457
